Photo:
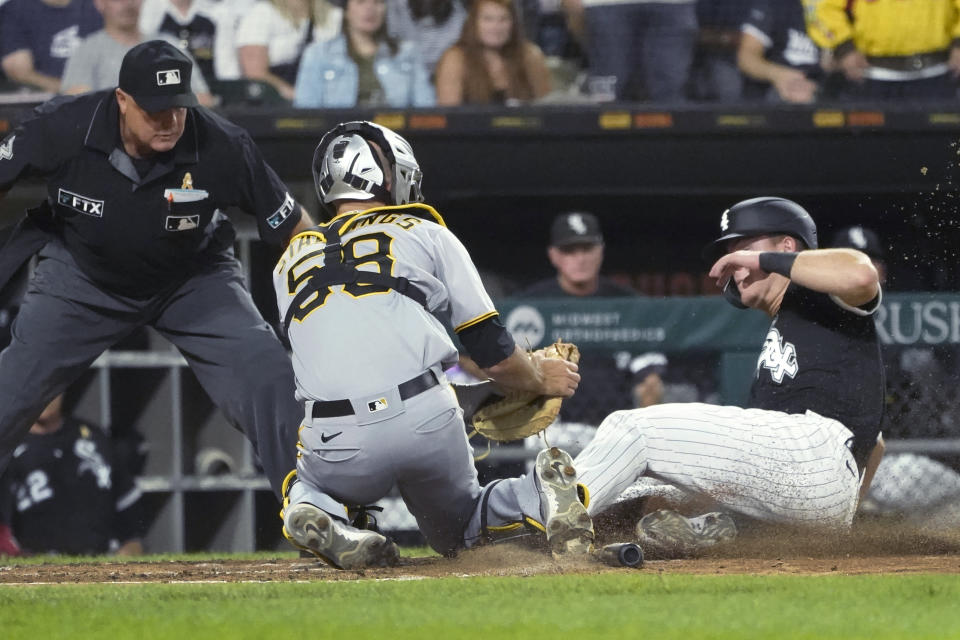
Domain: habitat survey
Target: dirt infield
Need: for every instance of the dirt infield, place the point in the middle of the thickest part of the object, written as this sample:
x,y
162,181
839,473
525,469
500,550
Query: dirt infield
x,y
872,549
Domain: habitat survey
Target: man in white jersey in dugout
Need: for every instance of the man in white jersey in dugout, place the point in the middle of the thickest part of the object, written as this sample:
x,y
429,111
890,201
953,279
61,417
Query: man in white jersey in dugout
x,y
366,298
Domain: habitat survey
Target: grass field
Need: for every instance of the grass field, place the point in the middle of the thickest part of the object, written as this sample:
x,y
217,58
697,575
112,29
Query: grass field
x,y
618,604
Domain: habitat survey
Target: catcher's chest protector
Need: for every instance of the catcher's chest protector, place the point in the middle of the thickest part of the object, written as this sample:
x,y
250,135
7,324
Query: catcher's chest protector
x,y
339,270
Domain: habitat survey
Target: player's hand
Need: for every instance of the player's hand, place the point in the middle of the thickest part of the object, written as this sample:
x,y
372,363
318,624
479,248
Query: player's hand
x,y
954,61
560,377
793,86
854,66
724,268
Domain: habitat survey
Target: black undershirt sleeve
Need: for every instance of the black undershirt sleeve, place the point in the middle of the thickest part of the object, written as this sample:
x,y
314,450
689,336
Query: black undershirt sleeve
x,y
487,342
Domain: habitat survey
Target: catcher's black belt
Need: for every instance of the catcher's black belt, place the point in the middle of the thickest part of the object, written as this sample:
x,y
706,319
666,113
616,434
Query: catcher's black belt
x,y
412,387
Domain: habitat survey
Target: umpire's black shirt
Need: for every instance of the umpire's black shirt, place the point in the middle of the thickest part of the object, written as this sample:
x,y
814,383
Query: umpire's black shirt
x,y
824,356
136,227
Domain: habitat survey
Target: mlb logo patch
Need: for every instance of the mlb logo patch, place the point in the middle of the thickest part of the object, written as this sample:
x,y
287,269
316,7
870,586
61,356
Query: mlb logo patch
x,y
182,223
168,77
377,405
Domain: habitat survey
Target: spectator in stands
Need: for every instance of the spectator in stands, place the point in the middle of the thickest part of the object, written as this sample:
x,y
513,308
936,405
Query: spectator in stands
x,y
191,23
227,17
647,370
560,31
65,491
640,49
576,252
272,36
890,50
715,76
38,36
435,25
363,66
560,37
492,62
95,65
777,56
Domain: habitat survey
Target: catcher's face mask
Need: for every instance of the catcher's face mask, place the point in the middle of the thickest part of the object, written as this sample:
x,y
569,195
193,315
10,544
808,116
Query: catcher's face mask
x,y
347,167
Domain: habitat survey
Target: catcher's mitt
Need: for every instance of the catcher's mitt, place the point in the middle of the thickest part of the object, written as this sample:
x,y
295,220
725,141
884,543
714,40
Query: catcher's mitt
x,y
523,413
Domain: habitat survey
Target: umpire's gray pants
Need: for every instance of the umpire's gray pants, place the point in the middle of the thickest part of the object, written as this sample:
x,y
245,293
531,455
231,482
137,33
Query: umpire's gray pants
x,y
422,448
66,321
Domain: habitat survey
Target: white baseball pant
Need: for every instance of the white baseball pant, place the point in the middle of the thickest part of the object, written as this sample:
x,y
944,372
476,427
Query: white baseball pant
x,y
777,467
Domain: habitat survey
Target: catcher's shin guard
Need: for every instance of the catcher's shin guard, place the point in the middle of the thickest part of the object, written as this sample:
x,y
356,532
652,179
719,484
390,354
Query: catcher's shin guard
x,y
566,523
312,529
285,493
288,482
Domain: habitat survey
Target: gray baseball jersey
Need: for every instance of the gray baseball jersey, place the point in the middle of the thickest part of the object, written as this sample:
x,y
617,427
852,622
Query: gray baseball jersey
x,y
357,349
340,346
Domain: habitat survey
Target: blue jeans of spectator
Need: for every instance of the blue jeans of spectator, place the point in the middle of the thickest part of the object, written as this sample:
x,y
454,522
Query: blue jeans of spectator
x,y
716,78
649,42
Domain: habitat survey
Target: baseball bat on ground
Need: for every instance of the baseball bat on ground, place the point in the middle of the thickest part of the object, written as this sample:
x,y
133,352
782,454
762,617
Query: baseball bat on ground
x,y
621,554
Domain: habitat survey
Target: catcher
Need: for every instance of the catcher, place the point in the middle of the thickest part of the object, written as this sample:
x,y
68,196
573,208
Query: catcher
x,y
365,299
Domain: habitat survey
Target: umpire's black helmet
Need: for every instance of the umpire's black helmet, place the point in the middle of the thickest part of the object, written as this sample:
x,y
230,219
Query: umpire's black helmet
x,y
759,217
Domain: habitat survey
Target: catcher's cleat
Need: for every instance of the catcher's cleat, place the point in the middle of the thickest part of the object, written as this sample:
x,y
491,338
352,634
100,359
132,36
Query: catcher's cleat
x,y
667,534
566,522
313,530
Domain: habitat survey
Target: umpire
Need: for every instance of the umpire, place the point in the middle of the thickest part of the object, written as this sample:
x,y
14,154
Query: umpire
x,y
132,234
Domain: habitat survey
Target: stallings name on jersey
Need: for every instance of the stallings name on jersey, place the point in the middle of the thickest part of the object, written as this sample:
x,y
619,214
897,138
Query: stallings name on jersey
x,y
405,222
779,357
307,238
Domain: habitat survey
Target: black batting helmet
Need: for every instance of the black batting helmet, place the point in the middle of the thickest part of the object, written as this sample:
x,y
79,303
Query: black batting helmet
x,y
760,217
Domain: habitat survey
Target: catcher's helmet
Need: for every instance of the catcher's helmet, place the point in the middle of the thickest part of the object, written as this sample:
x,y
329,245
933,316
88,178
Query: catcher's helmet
x,y
345,166
759,217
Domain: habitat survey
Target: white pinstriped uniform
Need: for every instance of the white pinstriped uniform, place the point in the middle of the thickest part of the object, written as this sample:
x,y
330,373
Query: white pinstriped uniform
x,y
778,467
782,461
